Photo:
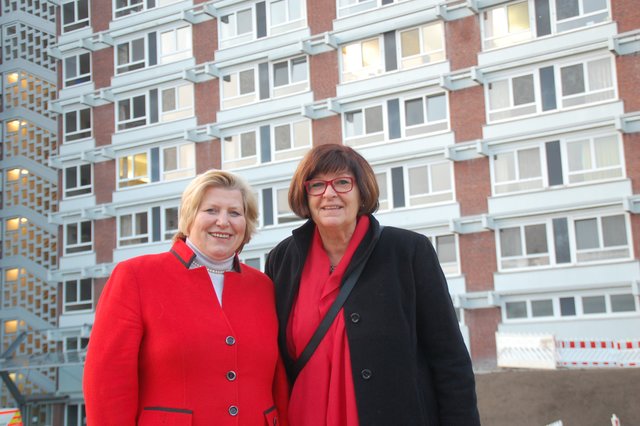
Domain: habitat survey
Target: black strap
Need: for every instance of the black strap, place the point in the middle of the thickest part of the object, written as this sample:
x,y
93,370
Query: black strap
x,y
331,314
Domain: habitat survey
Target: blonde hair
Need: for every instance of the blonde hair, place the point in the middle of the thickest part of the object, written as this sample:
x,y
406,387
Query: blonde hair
x,y
194,192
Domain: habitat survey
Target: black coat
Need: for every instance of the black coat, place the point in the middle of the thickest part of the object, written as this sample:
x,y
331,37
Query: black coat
x,y
410,364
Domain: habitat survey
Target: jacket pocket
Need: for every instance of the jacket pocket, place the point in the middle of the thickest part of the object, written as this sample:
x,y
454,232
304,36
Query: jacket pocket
x,y
165,416
271,417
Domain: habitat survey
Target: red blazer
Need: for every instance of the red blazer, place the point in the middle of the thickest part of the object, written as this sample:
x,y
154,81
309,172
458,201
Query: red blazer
x,y
162,351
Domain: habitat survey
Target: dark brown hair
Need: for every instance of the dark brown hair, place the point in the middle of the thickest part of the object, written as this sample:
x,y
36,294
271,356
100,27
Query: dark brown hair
x,y
333,158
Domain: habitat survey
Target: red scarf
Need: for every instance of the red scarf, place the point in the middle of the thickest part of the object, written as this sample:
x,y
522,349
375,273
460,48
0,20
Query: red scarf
x,y
323,394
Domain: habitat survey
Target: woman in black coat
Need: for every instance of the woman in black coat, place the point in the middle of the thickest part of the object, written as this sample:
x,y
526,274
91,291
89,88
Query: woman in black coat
x,y
394,355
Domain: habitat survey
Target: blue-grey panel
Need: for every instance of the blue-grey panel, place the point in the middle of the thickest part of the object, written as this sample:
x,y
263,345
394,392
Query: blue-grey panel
x,y
263,78
390,53
153,106
155,224
561,240
153,49
548,88
155,164
267,206
543,18
261,19
151,4
397,183
554,163
265,144
387,1
393,115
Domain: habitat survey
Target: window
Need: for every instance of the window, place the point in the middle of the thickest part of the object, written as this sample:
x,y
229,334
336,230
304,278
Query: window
x,y
77,180
422,45
601,238
75,15
524,246
131,55
78,295
127,7
77,69
239,89
573,14
364,126
447,251
175,45
432,183
77,125
240,149
383,199
75,343
78,237
290,76
286,15
132,112
133,229
291,140
587,82
506,25
518,170
236,28
178,162
595,158
169,222
284,213
425,114
75,415
177,103
361,59
512,97
350,7
581,306
133,170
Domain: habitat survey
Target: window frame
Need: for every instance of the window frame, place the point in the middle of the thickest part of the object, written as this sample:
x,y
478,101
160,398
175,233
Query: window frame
x,y
79,76
123,125
82,133
144,179
78,189
77,23
80,305
80,247
424,56
350,71
138,236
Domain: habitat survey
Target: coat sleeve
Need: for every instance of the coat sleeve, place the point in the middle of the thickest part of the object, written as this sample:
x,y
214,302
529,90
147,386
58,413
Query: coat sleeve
x,y
110,382
440,341
281,393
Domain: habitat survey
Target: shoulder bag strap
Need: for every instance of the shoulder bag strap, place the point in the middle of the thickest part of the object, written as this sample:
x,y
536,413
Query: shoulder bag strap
x,y
331,314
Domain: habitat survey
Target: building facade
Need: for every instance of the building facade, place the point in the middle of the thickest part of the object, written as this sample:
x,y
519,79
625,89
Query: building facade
x,y
506,131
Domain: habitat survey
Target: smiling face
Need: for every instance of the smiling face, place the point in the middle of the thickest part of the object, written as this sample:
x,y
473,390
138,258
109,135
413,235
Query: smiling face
x,y
219,226
334,210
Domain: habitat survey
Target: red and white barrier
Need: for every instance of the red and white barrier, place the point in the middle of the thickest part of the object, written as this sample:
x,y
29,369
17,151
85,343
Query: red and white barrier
x,y
545,351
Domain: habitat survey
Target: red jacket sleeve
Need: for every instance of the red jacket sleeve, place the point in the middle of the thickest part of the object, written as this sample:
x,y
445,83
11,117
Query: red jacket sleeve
x,y
110,382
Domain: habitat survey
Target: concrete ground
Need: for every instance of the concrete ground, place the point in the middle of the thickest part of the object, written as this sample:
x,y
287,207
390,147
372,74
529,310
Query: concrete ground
x,y
586,397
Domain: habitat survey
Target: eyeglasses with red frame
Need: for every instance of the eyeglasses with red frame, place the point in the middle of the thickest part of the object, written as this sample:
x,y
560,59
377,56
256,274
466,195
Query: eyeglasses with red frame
x,y
340,185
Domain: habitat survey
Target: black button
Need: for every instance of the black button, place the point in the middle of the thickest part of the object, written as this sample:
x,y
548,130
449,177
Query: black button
x,y
355,317
233,410
366,374
231,375
230,340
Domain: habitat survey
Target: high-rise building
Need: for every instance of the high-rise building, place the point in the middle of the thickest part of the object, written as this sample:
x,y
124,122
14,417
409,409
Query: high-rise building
x,y
508,132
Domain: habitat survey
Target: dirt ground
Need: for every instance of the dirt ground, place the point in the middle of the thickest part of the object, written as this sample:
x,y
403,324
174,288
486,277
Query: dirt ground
x,y
585,397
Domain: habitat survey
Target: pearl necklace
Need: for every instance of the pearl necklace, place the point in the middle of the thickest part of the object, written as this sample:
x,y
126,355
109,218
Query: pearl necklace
x,y
213,271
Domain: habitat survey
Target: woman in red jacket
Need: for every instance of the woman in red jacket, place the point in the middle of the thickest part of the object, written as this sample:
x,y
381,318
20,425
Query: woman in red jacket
x,y
189,337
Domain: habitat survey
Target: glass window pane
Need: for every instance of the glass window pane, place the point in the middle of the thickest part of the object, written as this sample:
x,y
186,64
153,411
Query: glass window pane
x,y
505,167
529,163
137,48
446,248
410,42
354,123
572,80
370,53
623,303
579,155
436,108
523,92
247,82
614,231
432,37
441,177
248,144
593,305
126,226
245,21
567,8
414,111
542,308
283,137
518,15
278,12
510,244
594,5
373,119
299,70
516,309
381,178
168,100
567,306
70,291
536,239
607,151
170,159
280,74
85,289
587,234
499,94
418,180
600,74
